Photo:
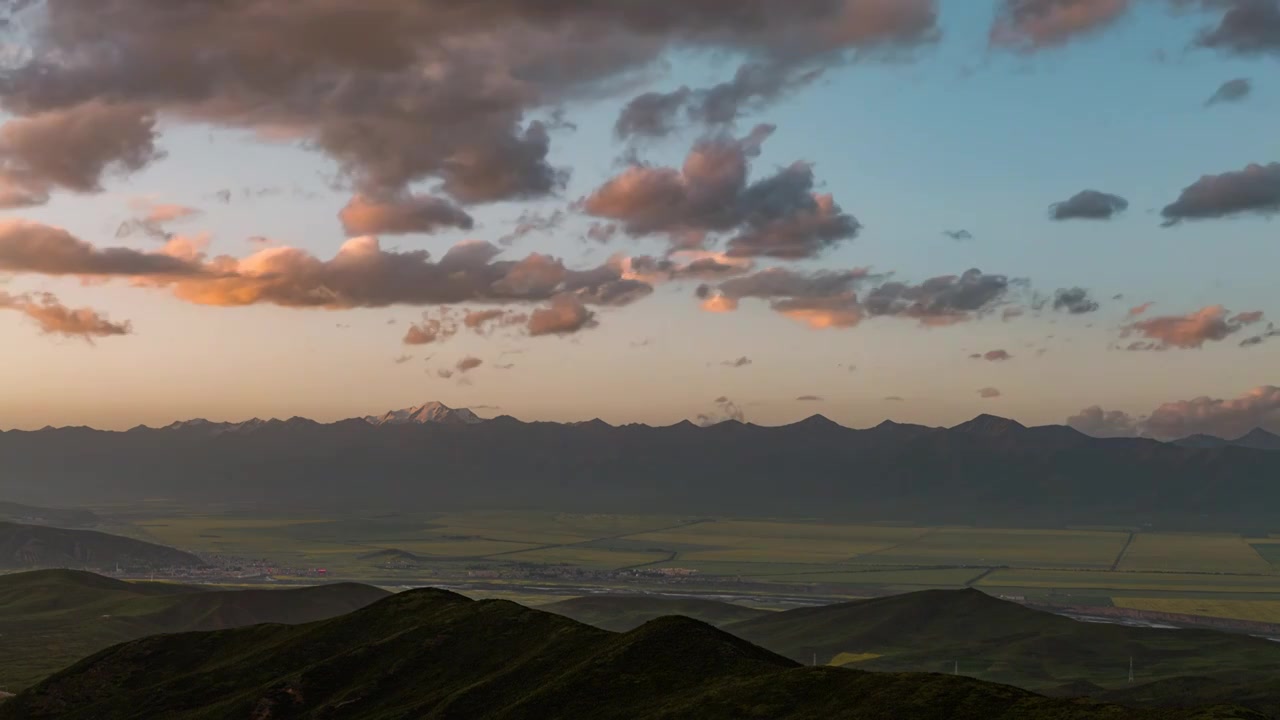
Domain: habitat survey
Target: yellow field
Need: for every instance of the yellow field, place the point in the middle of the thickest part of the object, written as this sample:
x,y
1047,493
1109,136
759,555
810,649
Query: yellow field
x,y
593,558
1159,582
939,578
1267,611
1026,548
762,541
1174,552
455,548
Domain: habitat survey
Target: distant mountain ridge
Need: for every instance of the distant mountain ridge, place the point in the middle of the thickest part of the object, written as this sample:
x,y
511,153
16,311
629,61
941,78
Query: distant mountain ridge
x,y
989,470
432,412
1255,439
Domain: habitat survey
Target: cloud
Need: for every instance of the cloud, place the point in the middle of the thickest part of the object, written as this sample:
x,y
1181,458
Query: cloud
x,y
432,329
72,148
1255,340
402,359
829,299
54,318
777,216
153,217
1089,205
809,398
531,222
894,398
401,214
602,233
1140,309
1255,189
1075,301
724,411
989,393
1029,25
1231,91
1247,27
958,234
1105,423
467,364
739,363
563,316
444,373
1209,324
483,320
361,275
992,356
403,91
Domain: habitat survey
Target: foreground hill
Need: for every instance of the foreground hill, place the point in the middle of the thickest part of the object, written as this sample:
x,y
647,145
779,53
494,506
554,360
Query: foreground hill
x,y
51,618
986,471
621,613
1000,641
434,654
35,546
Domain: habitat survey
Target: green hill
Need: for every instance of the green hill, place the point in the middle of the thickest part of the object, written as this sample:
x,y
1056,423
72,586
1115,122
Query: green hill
x,y
51,618
1258,693
36,546
620,613
1000,641
434,654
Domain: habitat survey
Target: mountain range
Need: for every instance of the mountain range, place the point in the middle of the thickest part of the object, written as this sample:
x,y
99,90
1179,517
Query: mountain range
x,y
989,470
435,654
1257,439
40,546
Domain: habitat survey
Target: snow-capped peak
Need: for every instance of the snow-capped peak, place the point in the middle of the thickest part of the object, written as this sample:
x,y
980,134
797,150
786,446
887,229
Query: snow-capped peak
x,y
432,412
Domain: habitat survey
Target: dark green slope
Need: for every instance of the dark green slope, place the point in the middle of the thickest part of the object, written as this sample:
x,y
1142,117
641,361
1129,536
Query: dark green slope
x,y
1257,693
51,618
1000,641
434,654
620,613
35,546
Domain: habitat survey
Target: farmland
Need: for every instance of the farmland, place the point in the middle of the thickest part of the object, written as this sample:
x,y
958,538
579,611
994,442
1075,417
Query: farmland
x,y
500,553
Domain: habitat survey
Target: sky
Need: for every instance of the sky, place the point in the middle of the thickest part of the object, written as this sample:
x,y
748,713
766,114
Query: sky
x,y
1050,210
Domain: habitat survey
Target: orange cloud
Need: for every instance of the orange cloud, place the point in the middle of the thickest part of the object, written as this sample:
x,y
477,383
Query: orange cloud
x,y
1209,324
54,318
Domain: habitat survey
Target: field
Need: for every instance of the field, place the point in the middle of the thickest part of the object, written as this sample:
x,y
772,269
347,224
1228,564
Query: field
x,y
1266,611
748,557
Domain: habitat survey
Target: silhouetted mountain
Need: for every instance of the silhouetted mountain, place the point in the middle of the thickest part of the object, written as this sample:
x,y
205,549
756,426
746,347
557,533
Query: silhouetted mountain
x,y
986,471
39,546
999,641
434,654
621,613
1256,439
51,618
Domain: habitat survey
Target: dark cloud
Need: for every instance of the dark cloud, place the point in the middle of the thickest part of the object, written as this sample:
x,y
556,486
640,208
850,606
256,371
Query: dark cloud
x,y
467,364
401,214
1231,91
809,398
754,85
1210,324
740,362
829,299
1255,340
1075,301
992,356
72,148
27,247
777,216
563,316
1255,189
531,222
54,318
1029,25
958,234
401,91
989,393
602,233
724,411
894,398
1088,205
1247,27
402,359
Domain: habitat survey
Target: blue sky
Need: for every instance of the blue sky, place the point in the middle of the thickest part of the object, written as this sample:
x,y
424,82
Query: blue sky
x,y
955,135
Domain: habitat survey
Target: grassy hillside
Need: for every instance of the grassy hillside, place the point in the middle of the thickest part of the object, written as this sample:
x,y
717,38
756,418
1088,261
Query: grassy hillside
x,y
51,618
34,546
1258,693
999,641
434,654
621,613
59,517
